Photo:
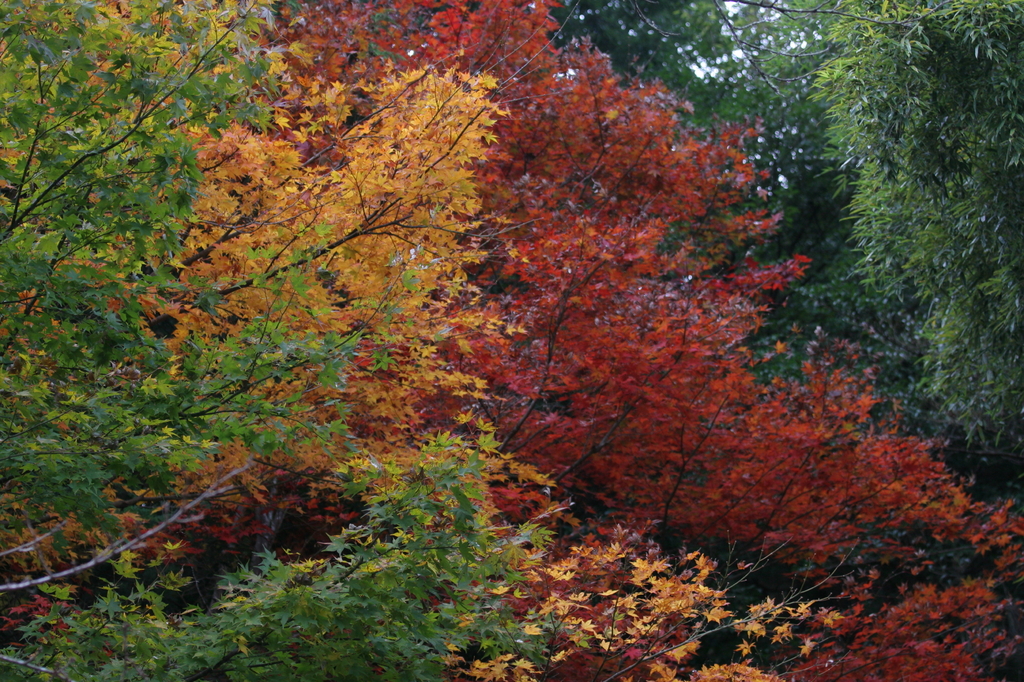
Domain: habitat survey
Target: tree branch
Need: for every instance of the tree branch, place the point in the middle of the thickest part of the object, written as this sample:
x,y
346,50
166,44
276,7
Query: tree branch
x,y
124,545
36,668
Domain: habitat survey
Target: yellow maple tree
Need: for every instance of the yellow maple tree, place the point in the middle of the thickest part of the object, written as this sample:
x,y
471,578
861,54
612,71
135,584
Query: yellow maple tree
x,y
334,231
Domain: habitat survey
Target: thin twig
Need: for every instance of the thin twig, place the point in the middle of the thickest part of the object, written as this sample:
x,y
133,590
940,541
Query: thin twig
x,y
31,544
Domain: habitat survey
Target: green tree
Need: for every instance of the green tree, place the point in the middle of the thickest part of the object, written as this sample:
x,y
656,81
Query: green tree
x,y
928,103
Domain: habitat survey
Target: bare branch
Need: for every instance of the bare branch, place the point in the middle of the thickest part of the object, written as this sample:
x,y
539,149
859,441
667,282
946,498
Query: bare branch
x,y
124,545
36,668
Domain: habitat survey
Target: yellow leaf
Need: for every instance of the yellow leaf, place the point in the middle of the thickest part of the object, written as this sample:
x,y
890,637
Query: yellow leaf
x,y
679,653
716,614
241,641
783,633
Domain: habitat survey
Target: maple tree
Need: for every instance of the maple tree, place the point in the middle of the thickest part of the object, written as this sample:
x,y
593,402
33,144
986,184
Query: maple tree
x,y
97,174
444,224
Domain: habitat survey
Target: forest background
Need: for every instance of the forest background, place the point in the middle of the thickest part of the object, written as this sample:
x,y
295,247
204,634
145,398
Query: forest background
x,y
423,340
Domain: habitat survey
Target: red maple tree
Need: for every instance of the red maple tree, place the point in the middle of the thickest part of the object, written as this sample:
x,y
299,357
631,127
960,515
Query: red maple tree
x,y
615,277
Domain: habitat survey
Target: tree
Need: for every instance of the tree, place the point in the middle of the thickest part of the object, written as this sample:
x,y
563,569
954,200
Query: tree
x,y
98,173
389,599
749,59
938,199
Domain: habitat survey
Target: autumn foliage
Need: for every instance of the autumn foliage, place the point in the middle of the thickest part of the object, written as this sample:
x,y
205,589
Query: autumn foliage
x,y
449,226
